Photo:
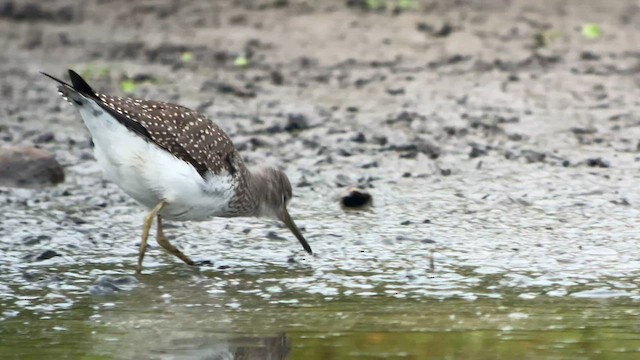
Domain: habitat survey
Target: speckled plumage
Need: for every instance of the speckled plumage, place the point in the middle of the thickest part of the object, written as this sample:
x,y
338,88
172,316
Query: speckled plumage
x,y
176,162
188,135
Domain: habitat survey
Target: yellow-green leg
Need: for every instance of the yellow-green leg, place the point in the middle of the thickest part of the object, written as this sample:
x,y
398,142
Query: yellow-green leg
x,y
146,226
164,242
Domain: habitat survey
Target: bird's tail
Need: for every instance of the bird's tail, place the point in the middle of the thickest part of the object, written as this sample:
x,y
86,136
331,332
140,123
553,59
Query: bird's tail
x,y
76,91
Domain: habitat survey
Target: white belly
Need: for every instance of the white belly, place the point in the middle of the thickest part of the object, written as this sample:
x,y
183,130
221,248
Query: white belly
x,y
150,174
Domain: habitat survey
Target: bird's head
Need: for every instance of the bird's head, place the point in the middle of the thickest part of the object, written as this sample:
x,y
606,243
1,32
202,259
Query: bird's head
x,y
273,190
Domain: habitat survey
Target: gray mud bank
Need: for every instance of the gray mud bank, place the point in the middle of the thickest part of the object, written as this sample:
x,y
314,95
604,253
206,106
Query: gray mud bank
x,y
503,172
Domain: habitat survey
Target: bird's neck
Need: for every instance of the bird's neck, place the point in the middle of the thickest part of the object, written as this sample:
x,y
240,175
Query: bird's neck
x,y
258,186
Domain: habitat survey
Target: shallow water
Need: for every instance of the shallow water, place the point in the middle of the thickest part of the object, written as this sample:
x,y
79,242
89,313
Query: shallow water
x,y
485,277
486,254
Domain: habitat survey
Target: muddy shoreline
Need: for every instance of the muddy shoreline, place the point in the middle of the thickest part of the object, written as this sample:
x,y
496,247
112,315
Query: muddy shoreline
x,y
499,143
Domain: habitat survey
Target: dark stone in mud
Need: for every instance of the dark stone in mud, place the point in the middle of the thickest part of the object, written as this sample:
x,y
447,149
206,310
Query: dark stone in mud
x,y
597,162
44,138
356,199
584,131
359,138
225,88
428,148
296,122
33,11
29,167
410,151
394,92
380,140
344,152
48,254
272,235
277,78
478,150
531,156
107,285
589,56
534,156
443,30
35,239
406,117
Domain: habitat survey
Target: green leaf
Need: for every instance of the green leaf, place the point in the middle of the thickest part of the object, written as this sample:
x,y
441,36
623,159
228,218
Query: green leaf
x,y
591,31
186,56
406,4
374,4
128,86
241,61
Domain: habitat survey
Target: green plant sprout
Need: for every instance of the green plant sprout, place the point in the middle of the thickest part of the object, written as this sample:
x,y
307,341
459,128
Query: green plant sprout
x,y
591,31
186,56
241,61
128,86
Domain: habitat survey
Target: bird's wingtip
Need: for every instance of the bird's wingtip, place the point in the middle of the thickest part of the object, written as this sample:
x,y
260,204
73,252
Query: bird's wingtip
x,y
80,85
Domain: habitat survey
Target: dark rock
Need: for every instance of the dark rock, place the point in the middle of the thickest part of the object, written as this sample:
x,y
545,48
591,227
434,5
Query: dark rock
x,y
360,138
35,239
106,285
296,122
406,117
428,148
356,199
103,287
33,12
623,202
44,138
445,172
344,152
445,29
373,164
597,162
589,56
533,156
277,78
274,129
29,167
126,280
584,131
478,150
380,140
394,92
272,235
406,222
406,175
225,88
410,151
48,254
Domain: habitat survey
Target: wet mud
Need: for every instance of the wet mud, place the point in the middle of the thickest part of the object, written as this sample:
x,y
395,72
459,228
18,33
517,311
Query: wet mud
x,y
499,145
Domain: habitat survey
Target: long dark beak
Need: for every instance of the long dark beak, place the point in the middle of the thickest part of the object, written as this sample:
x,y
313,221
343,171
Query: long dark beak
x,y
294,229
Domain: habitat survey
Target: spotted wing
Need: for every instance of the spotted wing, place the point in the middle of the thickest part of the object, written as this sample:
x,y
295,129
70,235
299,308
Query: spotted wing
x,y
186,134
